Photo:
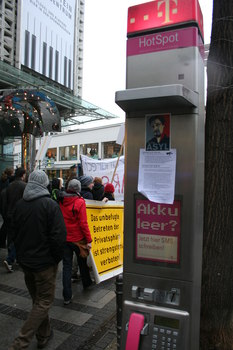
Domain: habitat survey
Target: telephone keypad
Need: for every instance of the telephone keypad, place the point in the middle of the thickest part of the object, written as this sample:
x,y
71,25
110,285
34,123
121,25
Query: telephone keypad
x,y
164,339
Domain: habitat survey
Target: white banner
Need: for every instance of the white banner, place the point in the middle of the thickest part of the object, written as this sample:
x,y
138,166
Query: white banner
x,y
45,141
105,168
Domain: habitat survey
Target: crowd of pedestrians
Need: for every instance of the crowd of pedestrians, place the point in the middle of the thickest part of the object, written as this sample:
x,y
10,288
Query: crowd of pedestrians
x,y
44,224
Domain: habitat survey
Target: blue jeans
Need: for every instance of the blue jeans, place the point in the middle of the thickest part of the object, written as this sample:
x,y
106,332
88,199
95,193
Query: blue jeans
x,y
71,248
11,254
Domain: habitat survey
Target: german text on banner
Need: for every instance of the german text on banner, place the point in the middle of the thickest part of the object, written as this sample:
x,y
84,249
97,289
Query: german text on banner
x,y
106,225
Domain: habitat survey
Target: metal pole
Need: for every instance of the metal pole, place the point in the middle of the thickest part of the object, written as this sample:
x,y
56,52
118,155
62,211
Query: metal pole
x,y
119,301
121,150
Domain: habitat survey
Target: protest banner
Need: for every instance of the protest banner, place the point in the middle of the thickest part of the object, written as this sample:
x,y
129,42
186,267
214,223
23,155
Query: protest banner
x,y
105,222
105,169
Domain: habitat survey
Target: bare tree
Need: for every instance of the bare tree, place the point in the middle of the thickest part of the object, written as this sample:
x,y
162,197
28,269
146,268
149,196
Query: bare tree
x,y
217,276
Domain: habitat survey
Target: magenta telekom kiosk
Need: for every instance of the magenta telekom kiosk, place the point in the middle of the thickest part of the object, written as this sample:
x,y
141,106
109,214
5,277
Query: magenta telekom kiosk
x,y
163,242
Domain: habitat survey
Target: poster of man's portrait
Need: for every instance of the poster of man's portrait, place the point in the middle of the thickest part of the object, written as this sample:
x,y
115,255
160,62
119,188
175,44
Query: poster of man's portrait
x,y
158,132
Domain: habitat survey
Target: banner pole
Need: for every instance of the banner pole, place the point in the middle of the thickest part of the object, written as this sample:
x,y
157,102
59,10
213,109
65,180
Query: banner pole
x,y
121,149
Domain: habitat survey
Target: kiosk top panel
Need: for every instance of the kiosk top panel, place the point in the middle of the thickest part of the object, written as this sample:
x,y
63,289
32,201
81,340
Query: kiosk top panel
x,y
163,13
156,96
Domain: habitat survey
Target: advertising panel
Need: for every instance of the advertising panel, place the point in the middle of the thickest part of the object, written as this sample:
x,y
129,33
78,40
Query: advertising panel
x,y
105,222
158,231
47,38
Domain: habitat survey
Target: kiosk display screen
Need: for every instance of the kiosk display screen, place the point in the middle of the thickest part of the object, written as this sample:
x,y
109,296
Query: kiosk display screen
x,y
158,231
166,322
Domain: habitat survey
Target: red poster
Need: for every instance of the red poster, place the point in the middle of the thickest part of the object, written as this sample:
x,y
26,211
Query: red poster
x,y
158,231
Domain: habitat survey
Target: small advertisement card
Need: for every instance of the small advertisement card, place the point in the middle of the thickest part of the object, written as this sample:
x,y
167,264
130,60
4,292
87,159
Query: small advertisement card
x,y
158,132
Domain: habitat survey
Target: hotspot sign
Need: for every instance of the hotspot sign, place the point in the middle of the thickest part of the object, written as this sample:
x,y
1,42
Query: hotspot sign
x,y
169,40
158,231
105,221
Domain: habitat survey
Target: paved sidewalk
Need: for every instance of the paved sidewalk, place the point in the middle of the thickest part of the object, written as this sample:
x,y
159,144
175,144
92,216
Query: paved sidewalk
x,y
88,323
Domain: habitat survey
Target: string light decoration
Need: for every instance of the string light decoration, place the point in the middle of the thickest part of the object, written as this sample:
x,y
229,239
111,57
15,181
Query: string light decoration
x,y
27,111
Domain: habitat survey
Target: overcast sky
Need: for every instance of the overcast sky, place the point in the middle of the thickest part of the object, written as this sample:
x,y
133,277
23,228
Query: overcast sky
x,y
104,66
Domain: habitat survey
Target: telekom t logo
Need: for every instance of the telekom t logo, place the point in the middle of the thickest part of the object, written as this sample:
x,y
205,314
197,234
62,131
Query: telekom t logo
x,y
167,9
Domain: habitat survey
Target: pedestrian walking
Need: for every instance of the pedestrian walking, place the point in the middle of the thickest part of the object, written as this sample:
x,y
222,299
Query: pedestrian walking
x,y
10,196
78,238
6,178
39,238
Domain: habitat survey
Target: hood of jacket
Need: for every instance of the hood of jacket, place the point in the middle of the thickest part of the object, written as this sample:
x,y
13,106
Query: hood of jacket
x,y
34,190
69,201
68,197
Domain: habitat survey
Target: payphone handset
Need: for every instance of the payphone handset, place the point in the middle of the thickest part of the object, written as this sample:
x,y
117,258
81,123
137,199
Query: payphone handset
x,y
163,328
135,326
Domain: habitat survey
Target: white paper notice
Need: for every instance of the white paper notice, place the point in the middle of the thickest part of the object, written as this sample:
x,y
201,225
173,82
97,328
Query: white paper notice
x,y
156,178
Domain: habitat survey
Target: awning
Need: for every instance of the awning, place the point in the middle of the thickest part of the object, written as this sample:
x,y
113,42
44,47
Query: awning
x,y
72,109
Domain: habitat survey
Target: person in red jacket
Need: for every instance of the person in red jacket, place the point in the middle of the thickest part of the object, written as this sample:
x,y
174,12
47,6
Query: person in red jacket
x,y
73,208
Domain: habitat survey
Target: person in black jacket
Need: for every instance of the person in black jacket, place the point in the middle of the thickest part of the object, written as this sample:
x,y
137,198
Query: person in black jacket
x,y
6,178
10,197
39,238
87,184
98,190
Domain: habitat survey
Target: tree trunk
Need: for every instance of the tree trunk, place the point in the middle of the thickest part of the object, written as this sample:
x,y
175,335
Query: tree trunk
x,y
217,275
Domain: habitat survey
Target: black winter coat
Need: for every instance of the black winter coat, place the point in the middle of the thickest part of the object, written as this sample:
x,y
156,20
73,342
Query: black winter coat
x,y
39,233
109,196
86,193
14,192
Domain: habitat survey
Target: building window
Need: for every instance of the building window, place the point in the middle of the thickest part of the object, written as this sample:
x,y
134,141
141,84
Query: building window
x,y
52,153
90,150
68,153
111,149
50,157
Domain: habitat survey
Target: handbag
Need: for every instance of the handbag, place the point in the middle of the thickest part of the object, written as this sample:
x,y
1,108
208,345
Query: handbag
x,y
83,251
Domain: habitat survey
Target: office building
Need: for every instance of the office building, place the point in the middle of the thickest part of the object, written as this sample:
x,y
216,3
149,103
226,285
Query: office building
x,y
41,49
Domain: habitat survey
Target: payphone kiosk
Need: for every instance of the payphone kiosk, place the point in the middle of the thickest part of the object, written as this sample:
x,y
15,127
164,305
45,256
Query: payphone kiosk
x,y
163,242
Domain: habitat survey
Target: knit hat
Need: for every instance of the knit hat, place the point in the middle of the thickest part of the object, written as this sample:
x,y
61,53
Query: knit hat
x,y
109,188
39,177
74,186
85,180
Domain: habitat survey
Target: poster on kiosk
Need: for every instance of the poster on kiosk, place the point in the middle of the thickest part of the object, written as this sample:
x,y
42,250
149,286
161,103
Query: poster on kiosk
x,y
164,172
